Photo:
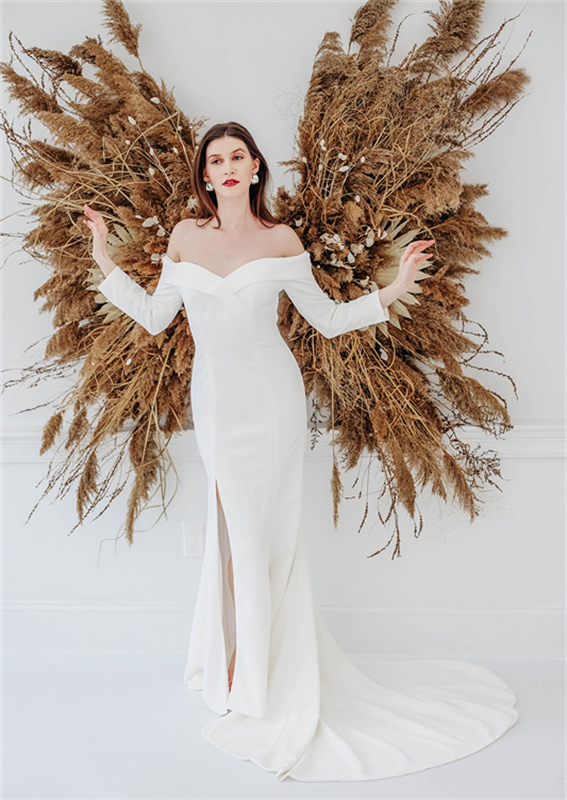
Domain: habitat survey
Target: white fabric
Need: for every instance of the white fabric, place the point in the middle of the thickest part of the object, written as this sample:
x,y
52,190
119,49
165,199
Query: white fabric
x,y
298,705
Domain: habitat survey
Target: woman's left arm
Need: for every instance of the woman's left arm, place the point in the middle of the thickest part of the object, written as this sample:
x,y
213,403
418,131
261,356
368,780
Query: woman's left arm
x,y
327,316
333,318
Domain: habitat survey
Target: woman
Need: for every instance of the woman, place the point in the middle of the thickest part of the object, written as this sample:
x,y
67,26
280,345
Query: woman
x,y
290,699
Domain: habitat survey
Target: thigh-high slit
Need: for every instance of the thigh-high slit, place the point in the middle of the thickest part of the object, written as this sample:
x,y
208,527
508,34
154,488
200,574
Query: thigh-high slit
x,y
228,601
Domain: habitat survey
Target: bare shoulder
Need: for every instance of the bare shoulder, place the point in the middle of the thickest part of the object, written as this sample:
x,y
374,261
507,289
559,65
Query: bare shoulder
x,y
288,240
182,233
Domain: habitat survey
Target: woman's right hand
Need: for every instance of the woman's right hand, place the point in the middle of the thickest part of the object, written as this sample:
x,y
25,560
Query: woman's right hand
x,y
99,230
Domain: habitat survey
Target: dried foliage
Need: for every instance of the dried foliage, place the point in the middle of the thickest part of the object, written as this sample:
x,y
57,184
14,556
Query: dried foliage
x,y
380,149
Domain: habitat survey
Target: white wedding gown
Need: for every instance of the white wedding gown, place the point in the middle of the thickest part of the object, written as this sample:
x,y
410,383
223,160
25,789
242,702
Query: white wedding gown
x,y
298,706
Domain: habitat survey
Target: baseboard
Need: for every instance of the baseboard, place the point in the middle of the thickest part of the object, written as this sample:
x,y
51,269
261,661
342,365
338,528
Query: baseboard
x,y
21,444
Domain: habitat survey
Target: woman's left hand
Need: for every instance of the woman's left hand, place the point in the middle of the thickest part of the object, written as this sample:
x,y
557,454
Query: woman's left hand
x,y
411,260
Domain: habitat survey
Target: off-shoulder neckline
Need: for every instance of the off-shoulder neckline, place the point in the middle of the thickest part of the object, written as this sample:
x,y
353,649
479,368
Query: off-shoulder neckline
x,y
247,264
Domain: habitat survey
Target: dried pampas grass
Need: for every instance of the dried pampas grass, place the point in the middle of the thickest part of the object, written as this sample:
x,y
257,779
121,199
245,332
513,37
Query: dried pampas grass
x,y
380,150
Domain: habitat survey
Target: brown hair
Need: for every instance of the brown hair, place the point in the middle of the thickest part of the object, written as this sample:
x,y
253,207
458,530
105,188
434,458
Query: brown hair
x,y
207,205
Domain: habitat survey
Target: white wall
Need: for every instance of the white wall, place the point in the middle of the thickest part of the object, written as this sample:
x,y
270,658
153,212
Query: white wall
x,y
491,588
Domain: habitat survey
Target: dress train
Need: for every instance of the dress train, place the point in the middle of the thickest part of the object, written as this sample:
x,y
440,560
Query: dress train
x,y
329,719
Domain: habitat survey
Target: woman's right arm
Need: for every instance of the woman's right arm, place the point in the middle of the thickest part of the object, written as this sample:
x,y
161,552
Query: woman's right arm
x,y
154,312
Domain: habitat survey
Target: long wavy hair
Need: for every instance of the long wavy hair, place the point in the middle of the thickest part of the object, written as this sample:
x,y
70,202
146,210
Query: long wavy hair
x,y
207,201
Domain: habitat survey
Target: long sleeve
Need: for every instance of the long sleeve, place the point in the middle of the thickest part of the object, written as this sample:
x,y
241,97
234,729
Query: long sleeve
x,y
323,313
154,311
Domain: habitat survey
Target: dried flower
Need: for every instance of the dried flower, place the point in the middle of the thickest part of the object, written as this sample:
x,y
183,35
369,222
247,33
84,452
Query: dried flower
x,y
147,223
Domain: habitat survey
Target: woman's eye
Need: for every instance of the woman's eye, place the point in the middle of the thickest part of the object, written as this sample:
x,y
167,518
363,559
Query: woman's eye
x,y
216,159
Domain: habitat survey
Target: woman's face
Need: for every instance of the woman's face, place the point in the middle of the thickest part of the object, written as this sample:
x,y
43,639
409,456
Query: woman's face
x,y
229,158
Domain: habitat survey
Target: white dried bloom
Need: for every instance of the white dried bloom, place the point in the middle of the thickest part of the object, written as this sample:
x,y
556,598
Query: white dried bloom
x,y
160,231
131,120
155,257
369,241
362,160
154,99
322,142
138,216
350,258
175,150
343,169
128,361
152,171
128,141
304,159
342,156
357,198
297,222
147,223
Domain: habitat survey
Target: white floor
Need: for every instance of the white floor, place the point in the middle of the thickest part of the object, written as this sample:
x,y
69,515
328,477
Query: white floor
x,y
123,725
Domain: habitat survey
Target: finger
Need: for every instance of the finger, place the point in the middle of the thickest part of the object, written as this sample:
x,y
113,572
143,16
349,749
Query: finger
x,y
420,244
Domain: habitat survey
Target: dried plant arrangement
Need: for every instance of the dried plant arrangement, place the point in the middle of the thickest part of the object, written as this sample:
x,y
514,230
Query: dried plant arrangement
x,y
379,153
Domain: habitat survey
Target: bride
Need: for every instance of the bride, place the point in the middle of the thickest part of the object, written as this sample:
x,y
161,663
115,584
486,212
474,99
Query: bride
x,y
289,699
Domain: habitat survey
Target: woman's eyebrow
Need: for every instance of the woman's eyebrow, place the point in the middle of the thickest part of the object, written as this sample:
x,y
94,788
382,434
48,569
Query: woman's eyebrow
x,y
216,155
